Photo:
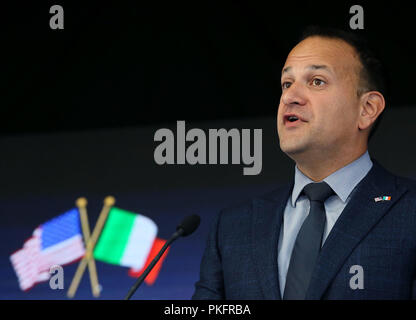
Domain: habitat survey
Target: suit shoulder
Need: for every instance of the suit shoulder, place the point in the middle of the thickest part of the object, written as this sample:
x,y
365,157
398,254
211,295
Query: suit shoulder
x,y
400,181
407,182
244,208
409,198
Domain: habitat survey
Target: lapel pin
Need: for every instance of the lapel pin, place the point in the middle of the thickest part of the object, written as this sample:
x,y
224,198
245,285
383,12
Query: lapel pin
x,y
383,198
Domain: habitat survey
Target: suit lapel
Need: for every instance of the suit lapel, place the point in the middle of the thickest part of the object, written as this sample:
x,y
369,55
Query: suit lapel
x,y
267,220
357,219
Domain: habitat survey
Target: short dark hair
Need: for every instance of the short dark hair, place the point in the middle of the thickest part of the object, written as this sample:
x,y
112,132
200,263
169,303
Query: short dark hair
x,y
373,76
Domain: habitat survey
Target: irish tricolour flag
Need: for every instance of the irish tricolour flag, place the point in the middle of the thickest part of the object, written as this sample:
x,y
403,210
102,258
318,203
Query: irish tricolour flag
x,y
126,240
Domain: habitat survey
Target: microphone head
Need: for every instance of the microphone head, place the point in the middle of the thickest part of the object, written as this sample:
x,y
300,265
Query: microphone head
x,y
189,225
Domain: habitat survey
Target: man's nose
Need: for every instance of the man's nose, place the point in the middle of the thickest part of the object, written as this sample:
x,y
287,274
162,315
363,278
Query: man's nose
x,y
294,95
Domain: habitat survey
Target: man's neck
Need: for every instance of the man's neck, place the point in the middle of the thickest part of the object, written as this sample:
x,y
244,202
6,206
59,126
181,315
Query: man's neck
x,y
320,169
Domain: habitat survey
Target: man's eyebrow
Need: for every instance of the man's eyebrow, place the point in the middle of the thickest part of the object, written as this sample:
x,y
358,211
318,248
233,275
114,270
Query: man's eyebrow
x,y
311,67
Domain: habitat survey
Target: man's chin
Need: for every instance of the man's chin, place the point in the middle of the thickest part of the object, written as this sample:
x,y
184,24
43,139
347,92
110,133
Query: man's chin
x,y
293,149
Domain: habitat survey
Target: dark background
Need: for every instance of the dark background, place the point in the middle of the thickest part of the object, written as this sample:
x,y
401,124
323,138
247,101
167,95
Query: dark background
x,y
124,64
80,106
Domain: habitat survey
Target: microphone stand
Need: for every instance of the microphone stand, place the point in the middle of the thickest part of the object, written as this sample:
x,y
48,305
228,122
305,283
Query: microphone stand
x,y
139,281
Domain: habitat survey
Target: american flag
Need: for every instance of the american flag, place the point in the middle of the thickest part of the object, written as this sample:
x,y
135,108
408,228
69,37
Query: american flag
x,y
56,242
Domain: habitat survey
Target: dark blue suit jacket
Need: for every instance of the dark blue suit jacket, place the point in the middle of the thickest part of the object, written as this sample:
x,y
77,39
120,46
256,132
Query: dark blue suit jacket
x,y
240,260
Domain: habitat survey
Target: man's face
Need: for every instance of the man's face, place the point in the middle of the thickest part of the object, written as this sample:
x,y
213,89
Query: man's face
x,y
319,85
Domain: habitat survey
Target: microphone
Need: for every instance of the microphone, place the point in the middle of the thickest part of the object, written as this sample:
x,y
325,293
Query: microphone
x,y
185,228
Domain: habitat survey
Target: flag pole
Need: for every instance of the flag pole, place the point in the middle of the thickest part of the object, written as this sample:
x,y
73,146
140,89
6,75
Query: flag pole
x,y
81,203
109,201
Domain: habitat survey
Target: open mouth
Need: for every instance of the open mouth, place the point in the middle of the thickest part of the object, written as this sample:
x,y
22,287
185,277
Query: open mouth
x,y
291,121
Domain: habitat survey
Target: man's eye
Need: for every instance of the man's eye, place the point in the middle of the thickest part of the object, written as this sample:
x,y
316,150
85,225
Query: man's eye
x,y
318,82
286,85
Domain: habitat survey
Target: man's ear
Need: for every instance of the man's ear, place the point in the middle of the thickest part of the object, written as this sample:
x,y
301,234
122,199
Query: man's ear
x,y
372,103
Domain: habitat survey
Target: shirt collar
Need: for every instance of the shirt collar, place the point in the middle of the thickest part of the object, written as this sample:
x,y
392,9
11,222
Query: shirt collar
x,y
342,181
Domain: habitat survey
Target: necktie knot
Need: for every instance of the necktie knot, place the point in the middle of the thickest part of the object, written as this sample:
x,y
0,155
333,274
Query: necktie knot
x,y
318,191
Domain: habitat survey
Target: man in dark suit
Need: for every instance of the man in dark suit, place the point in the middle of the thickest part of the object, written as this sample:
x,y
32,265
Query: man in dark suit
x,y
344,228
